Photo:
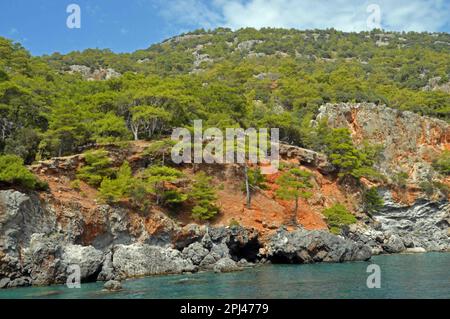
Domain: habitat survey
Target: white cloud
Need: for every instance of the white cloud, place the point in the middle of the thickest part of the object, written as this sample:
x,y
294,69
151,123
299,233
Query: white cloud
x,y
191,13
345,15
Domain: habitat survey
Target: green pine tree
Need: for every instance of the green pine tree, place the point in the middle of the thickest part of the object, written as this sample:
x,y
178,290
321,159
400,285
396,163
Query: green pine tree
x,y
157,177
293,185
204,197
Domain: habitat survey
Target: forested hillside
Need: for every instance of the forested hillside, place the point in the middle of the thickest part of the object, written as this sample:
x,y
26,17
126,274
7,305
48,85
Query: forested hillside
x,y
56,105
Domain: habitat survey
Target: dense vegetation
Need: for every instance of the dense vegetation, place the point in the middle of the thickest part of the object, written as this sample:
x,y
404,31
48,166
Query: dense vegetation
x,y
13,173
266,78
61,104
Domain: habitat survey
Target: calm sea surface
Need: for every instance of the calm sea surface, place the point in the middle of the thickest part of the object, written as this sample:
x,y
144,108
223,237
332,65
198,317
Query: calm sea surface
x,y
402,276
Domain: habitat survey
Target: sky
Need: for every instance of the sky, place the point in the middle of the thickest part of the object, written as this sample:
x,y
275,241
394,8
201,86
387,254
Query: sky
x,y
127,25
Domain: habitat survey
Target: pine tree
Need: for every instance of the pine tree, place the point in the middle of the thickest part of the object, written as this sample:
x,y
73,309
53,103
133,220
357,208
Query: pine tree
x,y
204,197
372,200
157,177
293,186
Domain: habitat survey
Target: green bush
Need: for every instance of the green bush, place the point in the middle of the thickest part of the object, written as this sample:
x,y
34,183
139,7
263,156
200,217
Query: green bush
x,y
14,173
114,190
372,201
75,184
234,223
338,216
427,187
97,167
401,179
442,163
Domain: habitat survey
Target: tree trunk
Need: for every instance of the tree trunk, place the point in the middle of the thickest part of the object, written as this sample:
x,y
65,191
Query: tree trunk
x,y
135,130
294,220
247,187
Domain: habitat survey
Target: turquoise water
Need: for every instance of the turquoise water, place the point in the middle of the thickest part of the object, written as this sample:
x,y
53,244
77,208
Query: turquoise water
x,y
402,276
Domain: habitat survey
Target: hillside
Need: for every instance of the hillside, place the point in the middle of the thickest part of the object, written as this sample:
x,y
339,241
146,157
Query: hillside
x,y
267,78
86,174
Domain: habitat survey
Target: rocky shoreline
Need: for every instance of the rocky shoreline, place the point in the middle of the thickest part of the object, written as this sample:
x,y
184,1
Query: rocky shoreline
x,y
36,248
39,247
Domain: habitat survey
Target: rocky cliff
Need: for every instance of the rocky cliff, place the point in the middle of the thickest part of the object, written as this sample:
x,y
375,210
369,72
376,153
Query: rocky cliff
x,y
40,247
409,143
43,234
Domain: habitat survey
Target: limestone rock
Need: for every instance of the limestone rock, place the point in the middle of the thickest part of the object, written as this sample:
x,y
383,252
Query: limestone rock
x,y
195,252
142,260
415,250
87,258
394,245
113,285
304,246
225,265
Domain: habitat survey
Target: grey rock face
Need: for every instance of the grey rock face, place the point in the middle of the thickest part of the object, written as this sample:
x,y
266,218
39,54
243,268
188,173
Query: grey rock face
x,y
142,260
303,246
87,258
195,252
91,75
423,224
247,45
43,259
21,216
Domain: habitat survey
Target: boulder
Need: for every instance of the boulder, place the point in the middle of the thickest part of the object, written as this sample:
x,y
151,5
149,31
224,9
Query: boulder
x,y
195,252
43,259
225,264
393,245
113,285
4,282
107,272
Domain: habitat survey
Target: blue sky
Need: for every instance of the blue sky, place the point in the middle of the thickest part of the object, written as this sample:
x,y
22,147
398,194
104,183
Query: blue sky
x,y
128,25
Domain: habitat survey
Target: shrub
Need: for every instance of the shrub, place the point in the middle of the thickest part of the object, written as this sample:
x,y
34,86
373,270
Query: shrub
x,y
75,184
14,173
173,197
114,190
372,201
338,216
427,188
443,188
400,179
234,223
442,163
97,167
